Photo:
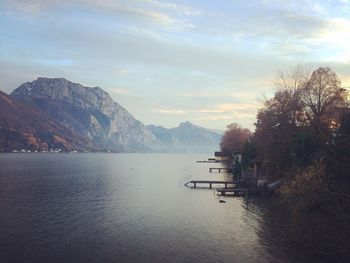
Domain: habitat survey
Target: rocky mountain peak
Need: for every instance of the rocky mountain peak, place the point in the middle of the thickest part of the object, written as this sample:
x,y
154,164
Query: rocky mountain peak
x,y
89,111
187,125
60,89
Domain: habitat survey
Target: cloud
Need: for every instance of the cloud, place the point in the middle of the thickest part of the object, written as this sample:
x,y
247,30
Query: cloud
x,y
121,72
230,108
215,117
169,111
119,91
207,60
336,37
200,94
185,10
222,108
234,117
288,30
223,114
30,7
133,12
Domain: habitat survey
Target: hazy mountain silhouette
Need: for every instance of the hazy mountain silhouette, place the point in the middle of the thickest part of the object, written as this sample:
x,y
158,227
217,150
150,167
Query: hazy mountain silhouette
x,y
187,137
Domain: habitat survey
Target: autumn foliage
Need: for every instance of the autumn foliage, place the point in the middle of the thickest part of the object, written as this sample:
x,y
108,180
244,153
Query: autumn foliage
x,y
302,136
299,124
234,139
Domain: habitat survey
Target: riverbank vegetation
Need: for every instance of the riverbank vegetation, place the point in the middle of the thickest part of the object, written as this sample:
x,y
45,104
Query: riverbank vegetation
x,y
302,137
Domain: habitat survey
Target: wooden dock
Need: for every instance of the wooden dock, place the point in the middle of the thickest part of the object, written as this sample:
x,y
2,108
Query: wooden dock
x,y
210,183
219,169
243,191
233,191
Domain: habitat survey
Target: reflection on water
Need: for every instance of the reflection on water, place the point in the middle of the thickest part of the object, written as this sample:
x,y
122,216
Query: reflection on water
x,y
127,208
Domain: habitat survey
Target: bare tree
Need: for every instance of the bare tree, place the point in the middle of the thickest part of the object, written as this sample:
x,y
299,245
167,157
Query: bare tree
x,y
292,80
322,96
289,86
281,120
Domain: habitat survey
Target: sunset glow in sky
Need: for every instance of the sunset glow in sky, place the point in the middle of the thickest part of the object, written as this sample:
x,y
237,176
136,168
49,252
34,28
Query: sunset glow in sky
x,y
208,62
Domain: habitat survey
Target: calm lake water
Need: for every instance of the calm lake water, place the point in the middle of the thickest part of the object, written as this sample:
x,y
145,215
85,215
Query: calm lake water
x,y
127,208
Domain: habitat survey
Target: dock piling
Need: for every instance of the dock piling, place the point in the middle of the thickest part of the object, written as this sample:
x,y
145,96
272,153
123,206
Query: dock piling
x,y
210,183
220,169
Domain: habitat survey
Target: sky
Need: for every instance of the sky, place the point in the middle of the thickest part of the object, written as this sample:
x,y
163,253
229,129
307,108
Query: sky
x,y
208,62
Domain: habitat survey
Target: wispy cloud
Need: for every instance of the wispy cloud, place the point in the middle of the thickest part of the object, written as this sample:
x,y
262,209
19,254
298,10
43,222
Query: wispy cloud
x,y
200,94
170,111
215,117
199,60
234,117
230,108
136,11
183,9
119,91
336,36
226,113
241,109
121,72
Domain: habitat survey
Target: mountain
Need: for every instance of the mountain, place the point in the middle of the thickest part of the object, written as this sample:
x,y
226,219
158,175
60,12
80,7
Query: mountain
x,y
90,112
56,113
221,132
24,127
187,137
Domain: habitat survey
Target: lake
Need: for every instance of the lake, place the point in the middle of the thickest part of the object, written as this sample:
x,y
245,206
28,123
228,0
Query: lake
x,y
128,208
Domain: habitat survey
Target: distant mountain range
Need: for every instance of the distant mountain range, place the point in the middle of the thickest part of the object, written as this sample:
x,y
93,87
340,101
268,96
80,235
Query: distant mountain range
x,y
187,138
54,113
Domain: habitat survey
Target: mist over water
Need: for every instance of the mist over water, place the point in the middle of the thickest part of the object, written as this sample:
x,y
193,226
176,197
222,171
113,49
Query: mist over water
x,y
126,208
